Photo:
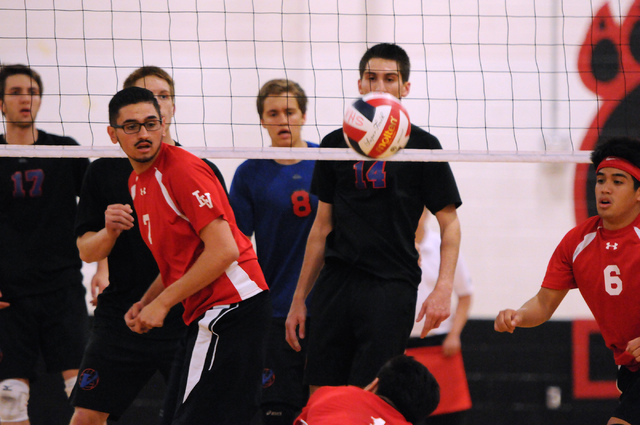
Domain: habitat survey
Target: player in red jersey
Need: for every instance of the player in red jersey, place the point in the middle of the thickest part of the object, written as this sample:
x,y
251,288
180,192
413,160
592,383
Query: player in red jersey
x,y
205,262
601,257
403,392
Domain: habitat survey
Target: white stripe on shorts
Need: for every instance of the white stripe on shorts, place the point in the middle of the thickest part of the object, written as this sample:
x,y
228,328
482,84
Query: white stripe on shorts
x,y
202,345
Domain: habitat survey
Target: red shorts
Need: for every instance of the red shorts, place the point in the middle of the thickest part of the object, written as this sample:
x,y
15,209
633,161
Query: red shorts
x,y
450,374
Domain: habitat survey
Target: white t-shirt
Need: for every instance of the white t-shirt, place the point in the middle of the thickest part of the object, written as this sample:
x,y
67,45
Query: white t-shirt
x,y
430,264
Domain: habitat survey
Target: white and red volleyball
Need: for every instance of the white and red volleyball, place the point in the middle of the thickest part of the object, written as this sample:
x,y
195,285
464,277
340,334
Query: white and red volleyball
x,y
376,125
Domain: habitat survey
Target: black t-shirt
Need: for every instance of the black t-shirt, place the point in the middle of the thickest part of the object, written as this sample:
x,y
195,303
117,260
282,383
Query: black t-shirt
x,y
377,206
38,253
132,268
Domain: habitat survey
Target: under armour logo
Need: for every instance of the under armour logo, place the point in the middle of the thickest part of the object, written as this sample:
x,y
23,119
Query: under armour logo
x,y
143,191
613,246
203,199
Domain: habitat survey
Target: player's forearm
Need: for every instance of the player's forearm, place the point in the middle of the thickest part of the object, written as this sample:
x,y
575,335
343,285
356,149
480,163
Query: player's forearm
x,y
312,263
535,312
314,251
449,250
153,291
461,315
95,246
207,268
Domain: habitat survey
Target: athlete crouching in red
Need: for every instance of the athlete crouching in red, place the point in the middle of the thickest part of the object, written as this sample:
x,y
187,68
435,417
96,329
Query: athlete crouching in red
x,y
601,257
403,392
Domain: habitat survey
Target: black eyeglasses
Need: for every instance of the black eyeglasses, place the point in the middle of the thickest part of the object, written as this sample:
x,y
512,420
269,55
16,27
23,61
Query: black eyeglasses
x,y
134,127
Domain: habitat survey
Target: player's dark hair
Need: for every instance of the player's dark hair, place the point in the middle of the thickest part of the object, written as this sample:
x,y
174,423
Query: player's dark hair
x,y
151,71
410,386
130,96
626,148
8,70
387,51
278,87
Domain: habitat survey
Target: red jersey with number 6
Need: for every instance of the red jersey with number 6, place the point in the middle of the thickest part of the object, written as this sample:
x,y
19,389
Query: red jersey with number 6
x,y
174,199
605,266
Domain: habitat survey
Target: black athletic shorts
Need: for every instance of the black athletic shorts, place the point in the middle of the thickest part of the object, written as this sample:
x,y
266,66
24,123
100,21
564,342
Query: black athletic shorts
x,y
282,379
629,385
218,371
54,324
116,366
358,322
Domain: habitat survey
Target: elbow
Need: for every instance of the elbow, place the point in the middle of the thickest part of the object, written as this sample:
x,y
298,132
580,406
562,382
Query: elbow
x,y
87,257
85,254
229,255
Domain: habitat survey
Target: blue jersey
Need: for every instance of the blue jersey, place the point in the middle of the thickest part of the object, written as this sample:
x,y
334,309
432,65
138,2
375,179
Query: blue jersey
x,y
273,201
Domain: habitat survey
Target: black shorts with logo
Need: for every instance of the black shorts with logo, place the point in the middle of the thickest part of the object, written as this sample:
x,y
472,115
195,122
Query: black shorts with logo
x,y
282,379
116,366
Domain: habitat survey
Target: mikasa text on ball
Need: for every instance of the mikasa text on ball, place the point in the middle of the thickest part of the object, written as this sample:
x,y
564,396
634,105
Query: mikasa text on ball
x,y
376,125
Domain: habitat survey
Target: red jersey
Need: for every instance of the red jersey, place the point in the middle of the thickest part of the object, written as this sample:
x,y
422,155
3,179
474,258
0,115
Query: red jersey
x,y
348,405
174,199
605,266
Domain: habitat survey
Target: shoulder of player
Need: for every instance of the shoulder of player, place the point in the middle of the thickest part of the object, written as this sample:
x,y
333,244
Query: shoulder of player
x,y
250,164
177,162
110,165
421,139
49,139
578,233
334,139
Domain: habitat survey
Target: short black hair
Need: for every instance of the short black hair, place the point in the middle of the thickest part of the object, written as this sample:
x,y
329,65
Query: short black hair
x,y
18,69
410,386
622,147
130,96
391,52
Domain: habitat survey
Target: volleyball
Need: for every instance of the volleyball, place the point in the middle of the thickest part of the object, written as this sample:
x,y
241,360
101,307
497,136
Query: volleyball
x,y
376,125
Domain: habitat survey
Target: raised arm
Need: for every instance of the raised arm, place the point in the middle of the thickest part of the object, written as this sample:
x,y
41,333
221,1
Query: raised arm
x,y
96,246
534,312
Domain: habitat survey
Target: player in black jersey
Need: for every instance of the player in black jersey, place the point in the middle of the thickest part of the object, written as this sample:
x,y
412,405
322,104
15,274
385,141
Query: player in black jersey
x,y
40,280
361,252
117,362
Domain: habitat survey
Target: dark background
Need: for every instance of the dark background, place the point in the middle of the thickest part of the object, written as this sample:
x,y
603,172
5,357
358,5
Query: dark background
x,y
509,376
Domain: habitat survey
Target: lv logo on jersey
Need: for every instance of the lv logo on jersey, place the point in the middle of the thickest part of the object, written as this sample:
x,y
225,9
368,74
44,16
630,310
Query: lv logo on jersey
x,y
203,199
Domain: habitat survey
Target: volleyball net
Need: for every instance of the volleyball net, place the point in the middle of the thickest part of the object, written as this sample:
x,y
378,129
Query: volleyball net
x,y
506,81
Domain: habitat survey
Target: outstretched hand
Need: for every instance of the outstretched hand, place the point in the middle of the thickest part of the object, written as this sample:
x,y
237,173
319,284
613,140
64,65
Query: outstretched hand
x,y
507,321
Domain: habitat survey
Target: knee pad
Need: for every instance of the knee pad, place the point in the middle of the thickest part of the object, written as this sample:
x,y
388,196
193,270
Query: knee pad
x,y
14,397
279,414
69,384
